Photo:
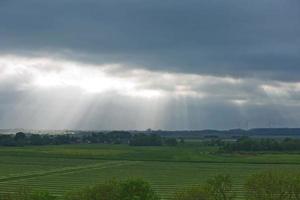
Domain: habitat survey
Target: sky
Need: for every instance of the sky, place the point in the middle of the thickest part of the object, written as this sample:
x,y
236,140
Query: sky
x,y
138,64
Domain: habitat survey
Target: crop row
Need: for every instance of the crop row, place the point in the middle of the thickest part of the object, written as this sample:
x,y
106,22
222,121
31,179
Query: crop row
x,y
165,178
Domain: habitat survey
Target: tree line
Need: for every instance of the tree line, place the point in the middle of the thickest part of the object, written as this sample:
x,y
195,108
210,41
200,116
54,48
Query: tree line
x,y
269,185
113,137
266,144
152,140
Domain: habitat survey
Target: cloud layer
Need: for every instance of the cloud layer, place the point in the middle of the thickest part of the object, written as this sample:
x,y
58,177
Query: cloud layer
x,y
137,64
54,93
215,37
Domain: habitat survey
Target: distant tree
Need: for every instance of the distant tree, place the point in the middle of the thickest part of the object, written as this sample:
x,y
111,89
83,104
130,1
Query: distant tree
x,y
146,140
113,137
118,137
36,139
266,144
181,140
20,138
171,141
7,140
64,139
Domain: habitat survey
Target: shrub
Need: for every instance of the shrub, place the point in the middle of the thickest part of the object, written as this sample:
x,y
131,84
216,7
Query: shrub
x,y
192,194
137,190
271,185
105,191
25,194
220,188
216,188
113,190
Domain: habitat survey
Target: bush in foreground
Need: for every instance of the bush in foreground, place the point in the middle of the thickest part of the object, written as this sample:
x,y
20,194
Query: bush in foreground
x,y
25,194
273,185
216,188
192,194
105,191
220,187
270,185
136,189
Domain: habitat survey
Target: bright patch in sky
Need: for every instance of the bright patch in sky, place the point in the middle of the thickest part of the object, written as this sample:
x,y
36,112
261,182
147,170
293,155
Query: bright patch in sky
x,y
50,73
61,93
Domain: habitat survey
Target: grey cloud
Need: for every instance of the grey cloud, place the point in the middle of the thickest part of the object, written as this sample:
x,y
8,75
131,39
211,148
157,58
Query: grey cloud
x,y
257,42
68,106
53,110
259,38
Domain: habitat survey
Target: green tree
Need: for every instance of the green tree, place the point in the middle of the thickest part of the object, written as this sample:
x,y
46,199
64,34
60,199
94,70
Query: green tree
x,y
197,193
270,185
36,139
216,188
20,138
113,190
26,194
295,186
137,190
220,188
171,141
41,196
181,140
106,191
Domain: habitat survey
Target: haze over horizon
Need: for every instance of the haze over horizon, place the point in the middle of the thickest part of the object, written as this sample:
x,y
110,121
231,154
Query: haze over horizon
x,y
138,64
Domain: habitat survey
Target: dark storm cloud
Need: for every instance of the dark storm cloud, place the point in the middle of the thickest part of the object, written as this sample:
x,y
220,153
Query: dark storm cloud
x,y
240,38
177,64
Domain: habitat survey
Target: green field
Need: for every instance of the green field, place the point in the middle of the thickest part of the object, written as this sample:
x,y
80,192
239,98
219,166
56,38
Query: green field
x,y
62,168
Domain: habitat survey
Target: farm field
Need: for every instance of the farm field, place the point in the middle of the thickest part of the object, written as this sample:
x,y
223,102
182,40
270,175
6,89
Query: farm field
x,y
59,169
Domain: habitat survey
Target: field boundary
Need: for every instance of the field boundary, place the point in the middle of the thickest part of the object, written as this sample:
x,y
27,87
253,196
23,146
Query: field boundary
x,y
65,170
151,160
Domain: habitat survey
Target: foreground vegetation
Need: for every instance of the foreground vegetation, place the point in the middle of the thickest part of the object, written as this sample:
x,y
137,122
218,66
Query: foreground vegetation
x,y
270,185
168,169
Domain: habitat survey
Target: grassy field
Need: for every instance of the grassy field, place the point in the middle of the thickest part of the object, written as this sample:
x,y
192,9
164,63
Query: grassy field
x,y
62,168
